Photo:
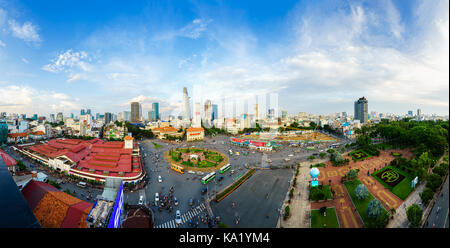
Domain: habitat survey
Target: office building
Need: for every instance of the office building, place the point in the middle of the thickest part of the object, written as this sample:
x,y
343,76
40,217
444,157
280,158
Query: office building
x,y
3,132
155,111
108,117
135,110
361,110
215,112
186,107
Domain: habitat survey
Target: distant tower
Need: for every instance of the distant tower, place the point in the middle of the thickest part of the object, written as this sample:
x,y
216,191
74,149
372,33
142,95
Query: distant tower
x,y
186,108
256,112
155,113
208,113
135,110
197,122
362,110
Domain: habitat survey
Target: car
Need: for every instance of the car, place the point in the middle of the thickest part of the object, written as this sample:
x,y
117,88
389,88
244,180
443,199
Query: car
x,y
175,201
191,172
220,178
156,197
141,200
290,155
160,179
191,202
204,190
232,171
200,173
178,217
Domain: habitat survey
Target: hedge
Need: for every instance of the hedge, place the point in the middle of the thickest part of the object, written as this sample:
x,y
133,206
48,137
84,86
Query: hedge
x,y
234,186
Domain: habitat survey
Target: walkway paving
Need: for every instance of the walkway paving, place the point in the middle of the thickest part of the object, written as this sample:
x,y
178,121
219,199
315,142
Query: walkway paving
x,y
346,211
300,206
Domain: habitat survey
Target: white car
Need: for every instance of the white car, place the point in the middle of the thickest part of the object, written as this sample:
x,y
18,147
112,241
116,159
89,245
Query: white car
x,y
178,217
156,197
290,155
141,200
191,172
175,201
200,173
160,179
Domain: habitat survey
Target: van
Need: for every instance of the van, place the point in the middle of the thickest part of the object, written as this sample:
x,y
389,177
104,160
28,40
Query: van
x,y
81,184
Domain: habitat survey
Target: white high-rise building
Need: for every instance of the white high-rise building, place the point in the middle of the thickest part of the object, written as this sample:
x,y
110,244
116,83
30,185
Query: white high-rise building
x,y
197,121
208,113
186,107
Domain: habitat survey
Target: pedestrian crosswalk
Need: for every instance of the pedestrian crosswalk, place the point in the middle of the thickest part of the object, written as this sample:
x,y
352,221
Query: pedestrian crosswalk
x,y
184,218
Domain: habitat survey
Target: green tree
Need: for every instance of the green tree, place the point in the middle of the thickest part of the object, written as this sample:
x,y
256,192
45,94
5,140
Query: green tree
x,y
426,195
374,209
322,210
361,192
414,213
352,174
322,154
434,181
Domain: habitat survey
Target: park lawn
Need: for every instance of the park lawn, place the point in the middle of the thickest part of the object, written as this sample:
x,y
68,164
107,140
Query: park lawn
x,y
187,163
361,205
318,165
318,220
325,189
204,164
216,158
402,189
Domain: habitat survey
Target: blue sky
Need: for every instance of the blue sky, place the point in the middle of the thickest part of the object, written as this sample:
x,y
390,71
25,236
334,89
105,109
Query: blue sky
x,y
318,56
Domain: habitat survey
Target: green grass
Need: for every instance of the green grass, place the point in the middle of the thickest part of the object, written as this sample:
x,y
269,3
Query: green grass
x,y
205,164
156,145
318,220
216,158
360,205
318,165
325,189
402,189
187,163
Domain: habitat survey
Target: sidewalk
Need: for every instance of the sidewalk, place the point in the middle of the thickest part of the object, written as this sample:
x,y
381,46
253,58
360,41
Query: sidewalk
x,y
300,205
400,219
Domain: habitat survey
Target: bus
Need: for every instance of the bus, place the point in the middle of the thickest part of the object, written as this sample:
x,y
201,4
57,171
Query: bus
x,y
206,179
224,168
177,168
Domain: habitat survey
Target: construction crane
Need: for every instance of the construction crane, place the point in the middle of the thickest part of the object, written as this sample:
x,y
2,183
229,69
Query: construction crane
x,y
315,132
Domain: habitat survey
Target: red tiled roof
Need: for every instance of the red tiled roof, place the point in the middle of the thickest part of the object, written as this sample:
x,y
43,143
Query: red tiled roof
x,y
15,135
54,208
195,129
165,129
9,161
37,133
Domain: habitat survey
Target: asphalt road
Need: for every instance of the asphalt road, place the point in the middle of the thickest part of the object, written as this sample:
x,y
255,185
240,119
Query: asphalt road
x,y
439,216
252,204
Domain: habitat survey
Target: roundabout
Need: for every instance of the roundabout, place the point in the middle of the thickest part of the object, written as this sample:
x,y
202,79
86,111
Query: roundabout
x,y
196,159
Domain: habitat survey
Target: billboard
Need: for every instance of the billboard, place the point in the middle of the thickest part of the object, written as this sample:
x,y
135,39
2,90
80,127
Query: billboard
x,y
114,220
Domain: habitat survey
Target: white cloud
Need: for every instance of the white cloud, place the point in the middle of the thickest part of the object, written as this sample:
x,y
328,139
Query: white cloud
x,y
73,77
28,100
69,61
2,44
27,31
25,61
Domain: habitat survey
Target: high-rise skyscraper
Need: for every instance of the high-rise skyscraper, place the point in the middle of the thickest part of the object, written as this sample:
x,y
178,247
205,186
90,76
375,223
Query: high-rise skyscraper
x,y
410,113
108,117
362,110
208,113
88,111
155,108
197,121
82,112
215,112
186,107
3,132
419,112
135,111
127,115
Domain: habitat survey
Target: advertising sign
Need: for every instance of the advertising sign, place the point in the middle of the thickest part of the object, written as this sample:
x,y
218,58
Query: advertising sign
x,y
114,221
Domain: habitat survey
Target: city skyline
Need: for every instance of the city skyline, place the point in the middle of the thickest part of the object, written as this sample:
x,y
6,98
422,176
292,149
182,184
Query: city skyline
x,y
318,60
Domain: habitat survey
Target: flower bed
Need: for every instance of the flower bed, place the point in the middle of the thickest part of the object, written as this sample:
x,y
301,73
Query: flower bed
x,y
234,186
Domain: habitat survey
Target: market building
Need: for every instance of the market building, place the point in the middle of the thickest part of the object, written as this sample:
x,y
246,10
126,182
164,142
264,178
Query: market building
x,y
90,159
